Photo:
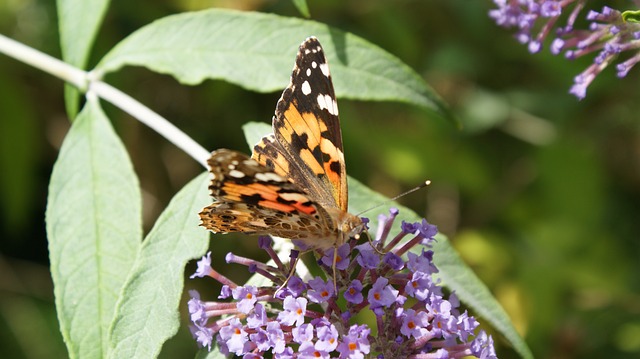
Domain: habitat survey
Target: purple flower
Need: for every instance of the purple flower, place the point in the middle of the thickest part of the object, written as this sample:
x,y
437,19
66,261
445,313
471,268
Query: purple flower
x,y
419,286
384,223
294,310
204,267
327,338
320,290
421,263
225,292
382,294
466,326
427,230
303,333
306,319
608,35
287,353
342,261
295,287
260,339
308,351
276,337
393,260
247,297
414,323
409,228
233,336
265,242
353,294
482,346
258,318
196,308
202,335
368,257
440,310
356,344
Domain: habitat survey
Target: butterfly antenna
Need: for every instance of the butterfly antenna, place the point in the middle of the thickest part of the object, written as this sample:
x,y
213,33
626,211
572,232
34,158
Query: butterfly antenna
x,y
416,188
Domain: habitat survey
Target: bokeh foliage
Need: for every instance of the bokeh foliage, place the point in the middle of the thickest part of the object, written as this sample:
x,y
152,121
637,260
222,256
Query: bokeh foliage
x,y
537,191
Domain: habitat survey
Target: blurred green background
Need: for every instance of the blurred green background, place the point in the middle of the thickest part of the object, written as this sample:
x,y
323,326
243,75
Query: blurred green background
x,y
539,192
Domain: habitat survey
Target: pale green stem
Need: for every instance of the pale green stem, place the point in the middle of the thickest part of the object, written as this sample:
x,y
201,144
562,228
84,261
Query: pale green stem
x,y
93,86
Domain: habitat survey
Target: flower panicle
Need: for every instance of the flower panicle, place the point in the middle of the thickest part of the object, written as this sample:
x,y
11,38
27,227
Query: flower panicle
x,y
609,34
313,318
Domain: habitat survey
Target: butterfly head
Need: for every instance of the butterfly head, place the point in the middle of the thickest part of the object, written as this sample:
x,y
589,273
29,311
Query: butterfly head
x,y
349,226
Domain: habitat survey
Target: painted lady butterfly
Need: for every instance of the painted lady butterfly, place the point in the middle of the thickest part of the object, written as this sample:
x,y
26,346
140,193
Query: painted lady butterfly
x,y
295,184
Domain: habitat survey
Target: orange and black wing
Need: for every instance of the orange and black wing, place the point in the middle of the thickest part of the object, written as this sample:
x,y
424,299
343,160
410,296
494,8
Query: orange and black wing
x,y
306,145
252,198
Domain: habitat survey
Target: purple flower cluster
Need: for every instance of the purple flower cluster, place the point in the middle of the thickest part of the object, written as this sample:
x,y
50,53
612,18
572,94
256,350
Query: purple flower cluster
x,y
609,33
319,318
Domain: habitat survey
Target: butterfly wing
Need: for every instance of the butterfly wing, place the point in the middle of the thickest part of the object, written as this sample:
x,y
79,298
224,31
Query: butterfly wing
x,y
251,198
306,146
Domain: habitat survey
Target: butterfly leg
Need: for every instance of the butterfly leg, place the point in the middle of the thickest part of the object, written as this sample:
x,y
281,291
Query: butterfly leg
x,y
295,256
335,263
375,248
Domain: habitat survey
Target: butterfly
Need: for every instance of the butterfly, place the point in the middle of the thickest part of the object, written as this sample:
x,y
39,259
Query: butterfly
x,y
295,183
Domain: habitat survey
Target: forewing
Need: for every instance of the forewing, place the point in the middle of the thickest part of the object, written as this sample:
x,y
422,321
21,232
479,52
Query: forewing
x,y
251,198
307,142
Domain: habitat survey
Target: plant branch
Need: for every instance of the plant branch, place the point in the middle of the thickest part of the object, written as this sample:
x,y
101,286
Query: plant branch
x,y
90,83
44,62
156,122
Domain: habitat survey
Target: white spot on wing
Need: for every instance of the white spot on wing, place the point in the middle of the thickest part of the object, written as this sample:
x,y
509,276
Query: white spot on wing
x,y
314,64
289,196
258,223
306,89
236,174
322,103
325,102
308,72
325,69
268,177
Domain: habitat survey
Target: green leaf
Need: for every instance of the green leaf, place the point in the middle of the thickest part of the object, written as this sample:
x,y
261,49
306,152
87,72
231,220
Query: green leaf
x,y
78,23
455,274
71,100
254,131
302,6
94,228
232,46
147,314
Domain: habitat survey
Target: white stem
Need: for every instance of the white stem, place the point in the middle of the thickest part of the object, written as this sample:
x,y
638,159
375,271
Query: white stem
x,y
151,119
88,82
43,62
